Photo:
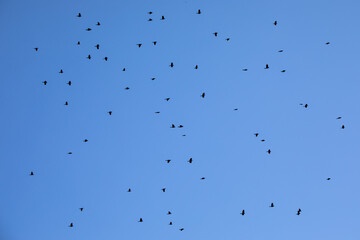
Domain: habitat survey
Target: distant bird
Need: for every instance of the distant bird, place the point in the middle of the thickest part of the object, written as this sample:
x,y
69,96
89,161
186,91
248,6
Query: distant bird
x,y
98,24
150,20
129,190
167,99
202,178
61,71
245,69
327,43
243,212
283,71
269,151
97,46
71,225
162,18
89,56
127,88
88,29
168,213
154,42
235,109
263,140
338,118
328,179
140,220
298,212
105,58
81,209
190,160
150,12
272,205
181,229
153,79
343,126
275,23
36,49
267,66
180,126
31,173
171,64
66,103
203,95
44,82
281,50
196,66
305,106
78,43
168,161
123,69
170,223
69,153
85,140
184,135
69,83
256,134
198,12
157,112
139,44
163,189
172,126
79,15
110,112
227,39
215,34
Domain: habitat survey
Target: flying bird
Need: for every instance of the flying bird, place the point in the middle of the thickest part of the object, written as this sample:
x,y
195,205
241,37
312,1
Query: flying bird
x,y
215,34
97,46
198,12
150,19
171,64
283,71
272,205
85,140
235,109
81,209
343,126
61,71
154,42
338,118
36,49
127,88
328,179
168,213
167,99
172,126
256,134
243,212
269,151
181,229
98,24
327,43
163,189
162,18
79,15
275,23
139,44
157,112
140,220
190,160
129,190
44,82
267,66
202,178
245,69
281,50
150,12
31,173
196,66
89,57
170,223
180,126
110,112
69,83
153,79
227,39
168,161
66,103
69,153
105,58
71,225
203,95
78,43
88,29
298,212
123,70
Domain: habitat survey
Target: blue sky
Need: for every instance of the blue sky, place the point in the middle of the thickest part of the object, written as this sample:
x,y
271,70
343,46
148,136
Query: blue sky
x,y
128,149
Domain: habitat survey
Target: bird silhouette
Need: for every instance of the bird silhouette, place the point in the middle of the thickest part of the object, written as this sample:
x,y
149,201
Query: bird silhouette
x,y
154,42
172,126
167,99
97,46
163,189
198,12
171,64
181,229
127,88
299,211
180,126
162,18
263,140
31,173
275,23
243,212
129,190
157,112
196,66
140,220
202,178
235,109
170,223
89,56
328,179
81,209
79,15
267,66
150,12
327,43
78,43
190,160
203,95
85,140
69,153
98,24
66,103
215,34
168,161
110,112
168,213
269,151
281,51
61,71
71,225
88,29
69,83
256,134
338,118
105,58
36,49
150,20
245,69
227,39
152,79
283,71
123,69
343,126
139,45
272,205
44,82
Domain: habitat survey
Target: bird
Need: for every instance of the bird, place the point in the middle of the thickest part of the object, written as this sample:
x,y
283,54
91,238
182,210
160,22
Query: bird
x,y
66,103
129,190
154,42
299,211
110,112
215,34
171,64
203,95
168,213
328,179
88,29
123,69
196,66
172,126
162,18
81,209
69,153
283,71
69,83
269,151
140,220
44,82
170,223
272,205
78,43
168,161
275,23
153,78
245,69
190,160
105,58
98,24
227,39
31,173
243,212
202,178
198,12
157,112
97,46
127,88
235,109
180,126
267,66
89,56
150,12
150,19
338,118
263,140
139,44
79,15
305,106
256,134
61,71
85,140
343,126
281,50
36,49
71,225
181,229
163,189
327,43
167,99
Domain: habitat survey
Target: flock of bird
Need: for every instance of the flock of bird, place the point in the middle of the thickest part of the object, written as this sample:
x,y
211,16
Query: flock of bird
x,y
97,46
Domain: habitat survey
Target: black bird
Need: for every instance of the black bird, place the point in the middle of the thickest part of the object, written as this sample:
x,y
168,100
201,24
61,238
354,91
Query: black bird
x,y
44,82
154,42
153,79
328,179
171,64
172,126
202,178
243,212
170,223
215,34
162,18
98,24
97,46
150,12
196,66
180,126
89,57
81,209
123,69
263,140
129,190
69,153
110,112
305,106
167,99
69,83
181,229
78,43
168,213
281,50
190,160
245,69
343,126
235,109
79,15
283,71
256,134
198,12
85,140
66,103
157,112
31,173
269,151
36,49
338,118
267,66
168,161
139,44
61,71
105,58
272,205
150,19
88,29
298,212
227,39
127,88
203,95
140,220
275,23
163,189
71,225
327,43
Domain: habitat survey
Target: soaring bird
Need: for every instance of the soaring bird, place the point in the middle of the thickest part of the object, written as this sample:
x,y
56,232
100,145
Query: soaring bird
x,y
31,173
275,23
172,126
97,46
153,79
283,70
157,112
327,43
71,225
168,161
190,160
154,42
263,140
256,134
180,126
227,39
181,229
79,15
81,209
269,151
202,178
215,34
69,83
267,66
198,12
123,69
343,126
168,213
272,205
139,44
163,189
171,64
150,20
61,71
245,69
105,58
243,212
127,88
170,223
305,106
98,24
44,82
298,212
66,103
162,18
150,12
69,153
281,50
140,220
338,118
129,190
203,95
78,43
110,112
36,49
235,109
328,179
88,29
89,56
167,99
85,140
196,66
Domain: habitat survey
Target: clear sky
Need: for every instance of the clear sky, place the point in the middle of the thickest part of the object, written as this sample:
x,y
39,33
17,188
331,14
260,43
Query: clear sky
x,y
128,149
